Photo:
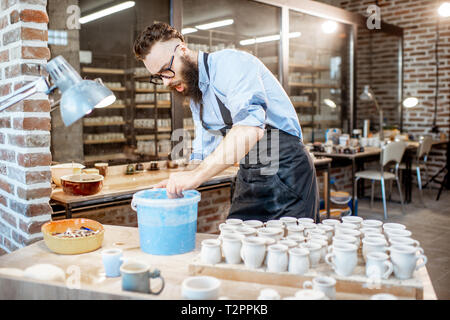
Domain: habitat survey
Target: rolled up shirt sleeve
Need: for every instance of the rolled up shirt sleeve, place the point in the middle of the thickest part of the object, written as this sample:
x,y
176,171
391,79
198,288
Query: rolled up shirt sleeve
x,y
243,90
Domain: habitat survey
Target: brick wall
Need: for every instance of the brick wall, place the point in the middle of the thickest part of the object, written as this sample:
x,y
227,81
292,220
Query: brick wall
x,y
418,19
25,127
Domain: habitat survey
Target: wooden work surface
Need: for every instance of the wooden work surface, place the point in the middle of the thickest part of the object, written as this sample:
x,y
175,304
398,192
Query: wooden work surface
x,y
117,183
94,284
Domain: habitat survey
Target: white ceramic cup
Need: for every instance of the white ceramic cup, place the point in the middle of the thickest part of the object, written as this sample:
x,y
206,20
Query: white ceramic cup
x,y
392,225
246,231
374,235
397,233
297,229
274,224
277,258
378,266
404,241
112,260
367,230
404,258
231,247
253,251
349,232
253,224
329,231
234,222
211,251
297,238
289,221
200,288
322,283
310,294
331,222
383,296
305,220
373,245
298,261
346,225
275,233
315,251
372,223
289,243
343,238
269,294
323,249
343,259
227,228
353,219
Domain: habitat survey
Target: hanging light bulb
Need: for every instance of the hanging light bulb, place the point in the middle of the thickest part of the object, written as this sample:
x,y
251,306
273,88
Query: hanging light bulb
x,y
444,9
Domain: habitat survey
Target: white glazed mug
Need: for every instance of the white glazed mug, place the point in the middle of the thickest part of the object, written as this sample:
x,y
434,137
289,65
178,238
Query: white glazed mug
x,y
310,294
373,245
324,247
314,252
404,241
322,283
404,258
275,233
253,223
372,223
277,258
253,251
392,225
353,219
378,266
211,252
246,231
231,247
343,259
112,260
397,233
289,221
298,261
305,220
329,231
297,238
343,238
297,229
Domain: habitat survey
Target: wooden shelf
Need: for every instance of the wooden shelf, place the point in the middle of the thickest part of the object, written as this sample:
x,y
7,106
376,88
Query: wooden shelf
x,y
189,128
164,129
105,157
153,90
120,89
313,85
104,141
102,70
309,68
302,104
121,123
152,106
114,106
145,137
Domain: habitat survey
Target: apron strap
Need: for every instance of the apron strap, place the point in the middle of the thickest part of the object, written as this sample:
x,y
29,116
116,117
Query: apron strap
x,y
226,114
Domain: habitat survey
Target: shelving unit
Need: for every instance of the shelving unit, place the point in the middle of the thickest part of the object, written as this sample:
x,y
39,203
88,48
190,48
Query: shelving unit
x,y
115,74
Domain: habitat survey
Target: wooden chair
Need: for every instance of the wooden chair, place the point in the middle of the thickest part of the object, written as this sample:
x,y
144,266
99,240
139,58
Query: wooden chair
x,y
392,152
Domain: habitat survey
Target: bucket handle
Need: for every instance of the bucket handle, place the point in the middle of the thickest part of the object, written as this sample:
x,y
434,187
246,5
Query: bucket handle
x,y
133,205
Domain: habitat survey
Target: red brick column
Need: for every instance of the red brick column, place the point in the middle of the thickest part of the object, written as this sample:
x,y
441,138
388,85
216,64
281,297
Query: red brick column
x,y
25,180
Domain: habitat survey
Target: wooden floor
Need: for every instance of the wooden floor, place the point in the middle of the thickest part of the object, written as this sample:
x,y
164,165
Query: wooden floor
x,y
429,225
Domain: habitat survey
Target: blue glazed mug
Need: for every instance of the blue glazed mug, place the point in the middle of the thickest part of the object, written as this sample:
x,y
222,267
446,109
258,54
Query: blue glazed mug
x,y
136,277
112,260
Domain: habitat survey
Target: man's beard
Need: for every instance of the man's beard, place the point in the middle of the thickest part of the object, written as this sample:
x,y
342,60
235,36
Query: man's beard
x,y
189,76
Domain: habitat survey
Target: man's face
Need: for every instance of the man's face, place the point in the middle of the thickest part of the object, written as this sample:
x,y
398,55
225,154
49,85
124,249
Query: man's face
x,y
185,80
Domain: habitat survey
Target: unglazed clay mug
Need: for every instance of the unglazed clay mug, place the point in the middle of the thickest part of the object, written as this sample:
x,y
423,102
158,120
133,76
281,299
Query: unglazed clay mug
x,y
211,251
136,277
325,284
298,261
378,265
343,259
373,245
349,232
231,247
277,258
112,260
331,222
275,224
234,222
253,251
404,258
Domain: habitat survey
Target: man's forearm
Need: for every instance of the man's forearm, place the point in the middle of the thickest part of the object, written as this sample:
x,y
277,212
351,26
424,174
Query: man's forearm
x,y
236,144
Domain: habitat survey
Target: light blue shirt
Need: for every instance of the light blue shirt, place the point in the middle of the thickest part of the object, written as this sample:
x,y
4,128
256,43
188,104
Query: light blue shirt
x,y
248,90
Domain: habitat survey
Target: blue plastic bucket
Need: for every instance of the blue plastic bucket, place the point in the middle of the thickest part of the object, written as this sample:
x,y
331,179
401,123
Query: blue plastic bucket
x,y
166,226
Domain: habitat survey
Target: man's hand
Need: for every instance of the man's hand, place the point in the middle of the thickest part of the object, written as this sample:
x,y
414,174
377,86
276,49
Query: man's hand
x,y
179,182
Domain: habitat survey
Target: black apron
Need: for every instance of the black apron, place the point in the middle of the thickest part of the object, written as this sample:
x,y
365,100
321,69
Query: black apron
x,y
276,178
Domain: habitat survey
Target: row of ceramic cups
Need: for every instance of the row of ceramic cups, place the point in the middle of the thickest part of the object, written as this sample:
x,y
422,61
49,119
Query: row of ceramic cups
x,y
354,230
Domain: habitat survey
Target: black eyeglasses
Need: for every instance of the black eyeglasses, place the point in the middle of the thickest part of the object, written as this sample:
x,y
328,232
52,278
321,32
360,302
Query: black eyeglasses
x,y
167,73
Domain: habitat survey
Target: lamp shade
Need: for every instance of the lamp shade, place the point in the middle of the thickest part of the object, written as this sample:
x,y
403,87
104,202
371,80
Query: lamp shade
x,y
410,102
78,96
366,95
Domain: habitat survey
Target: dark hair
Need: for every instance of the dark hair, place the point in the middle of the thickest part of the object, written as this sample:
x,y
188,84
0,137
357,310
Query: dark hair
x,y
156,32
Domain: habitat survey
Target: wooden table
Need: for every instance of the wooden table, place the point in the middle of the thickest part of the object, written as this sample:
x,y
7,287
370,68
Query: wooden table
x,y
93,284
118,187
